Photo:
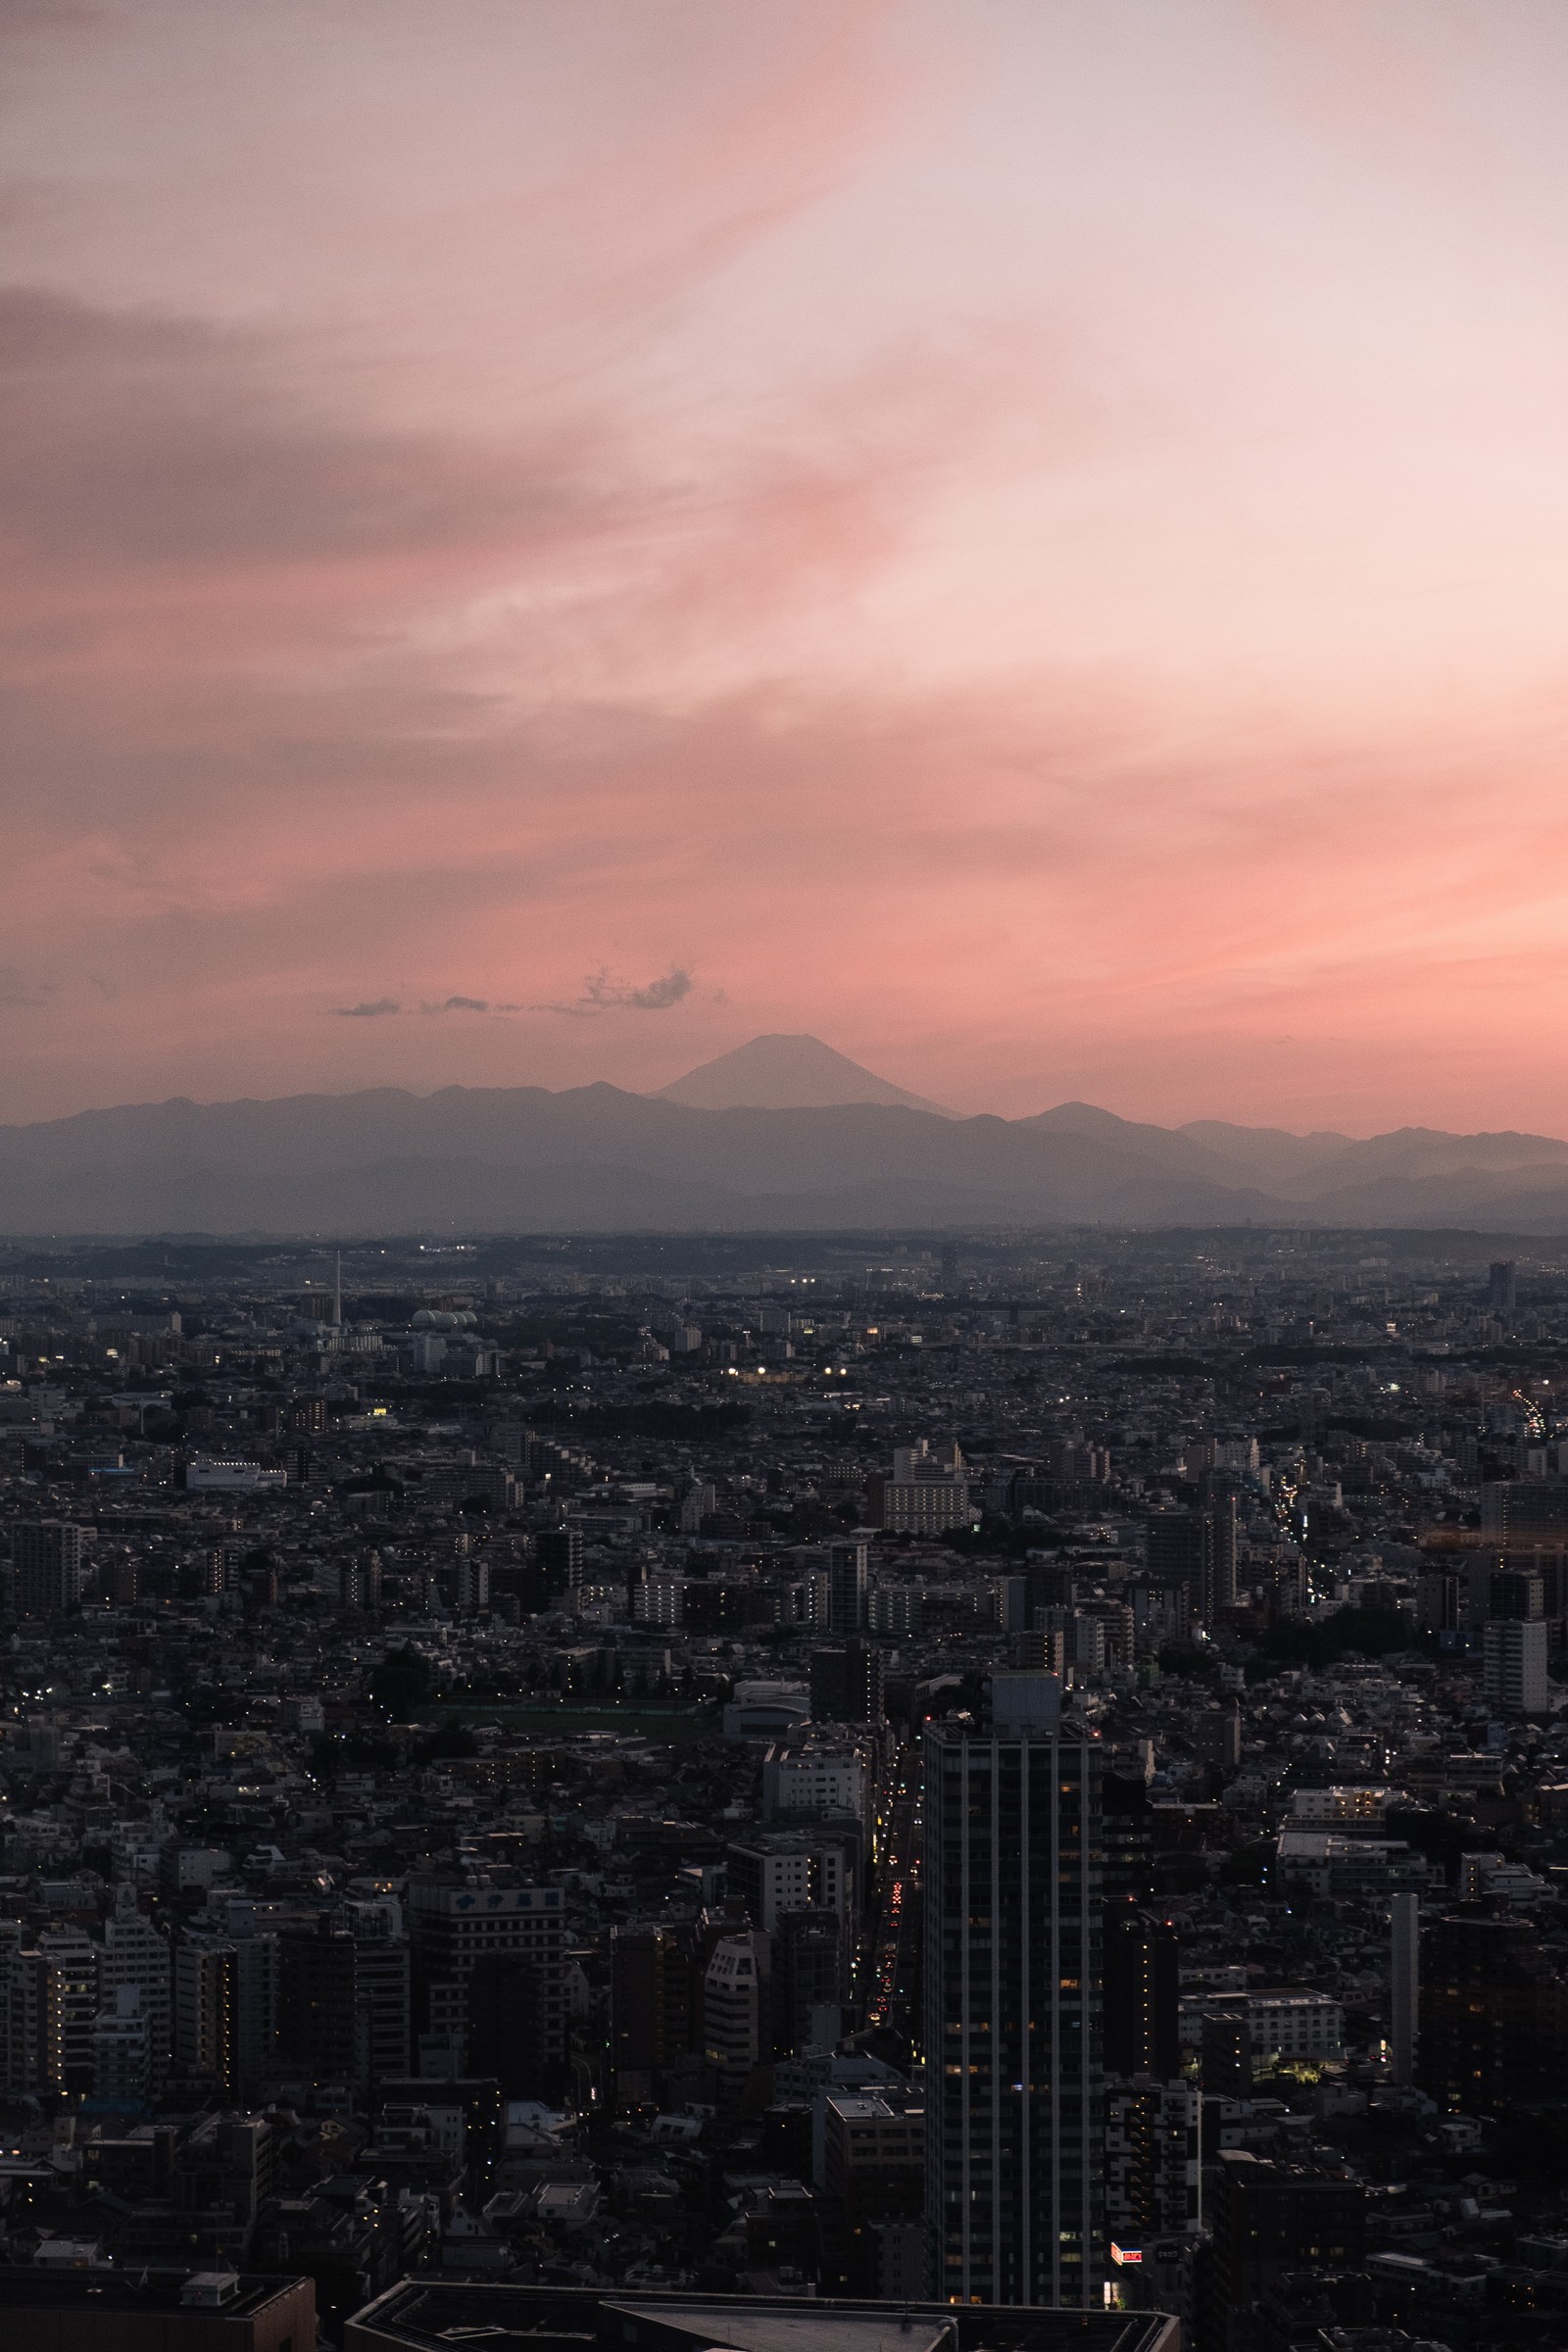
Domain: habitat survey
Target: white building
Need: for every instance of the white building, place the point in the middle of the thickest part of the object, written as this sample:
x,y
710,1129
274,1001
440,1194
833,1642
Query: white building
x,y
1515,1666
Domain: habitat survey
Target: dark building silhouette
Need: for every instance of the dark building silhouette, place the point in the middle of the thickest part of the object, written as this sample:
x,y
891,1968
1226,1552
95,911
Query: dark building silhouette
x,y
847,1684
655,2007
1198,1548
1142,1993
48,1555
1494,2013
1128,1840
317,2004
848,1584
512,2033
1267,2219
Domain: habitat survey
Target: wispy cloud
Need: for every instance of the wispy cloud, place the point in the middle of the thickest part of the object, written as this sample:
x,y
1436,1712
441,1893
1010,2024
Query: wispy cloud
x,y
16,988
601,994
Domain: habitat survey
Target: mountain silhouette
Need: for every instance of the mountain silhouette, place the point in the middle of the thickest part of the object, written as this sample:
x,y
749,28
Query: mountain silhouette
x,y
786,1073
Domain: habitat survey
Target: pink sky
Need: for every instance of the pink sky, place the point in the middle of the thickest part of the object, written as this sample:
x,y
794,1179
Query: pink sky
x,y
1027,537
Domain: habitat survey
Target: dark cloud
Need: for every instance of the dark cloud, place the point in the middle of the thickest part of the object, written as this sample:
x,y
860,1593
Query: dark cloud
x,y
601,994
16,988
140,437
377,1008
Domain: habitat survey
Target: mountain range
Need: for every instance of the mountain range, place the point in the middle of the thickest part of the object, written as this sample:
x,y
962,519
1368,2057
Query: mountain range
x,y
774,1137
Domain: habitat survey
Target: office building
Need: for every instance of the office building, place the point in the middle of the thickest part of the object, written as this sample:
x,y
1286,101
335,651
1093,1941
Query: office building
x,y
789,1870
737,2007
1012,1893
451,1925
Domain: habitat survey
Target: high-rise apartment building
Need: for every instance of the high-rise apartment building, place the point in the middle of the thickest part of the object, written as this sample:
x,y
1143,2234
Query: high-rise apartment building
x,y
317,2003
654,2007
206,2011
1514,1665
1404,1989
49,1558
1153,2176
50,2011
1270,2218
1142,1993
1012,1888
136,1955
847,1684
1493,2012
848,1576
1198,1548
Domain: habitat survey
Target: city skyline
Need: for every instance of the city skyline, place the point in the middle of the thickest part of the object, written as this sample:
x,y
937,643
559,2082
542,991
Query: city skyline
x,y
1026,543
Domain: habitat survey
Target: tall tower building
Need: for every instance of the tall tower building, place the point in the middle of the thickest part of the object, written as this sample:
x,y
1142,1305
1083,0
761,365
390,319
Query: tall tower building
x,y
1011,1889
1142,1993
847,1582
1405,1959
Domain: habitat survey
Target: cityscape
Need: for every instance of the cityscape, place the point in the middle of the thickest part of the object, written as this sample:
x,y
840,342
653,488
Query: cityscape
x,y
1023,1770
783,1176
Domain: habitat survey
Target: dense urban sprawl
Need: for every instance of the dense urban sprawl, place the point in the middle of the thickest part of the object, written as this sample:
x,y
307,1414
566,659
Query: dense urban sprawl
x,y
1025,1769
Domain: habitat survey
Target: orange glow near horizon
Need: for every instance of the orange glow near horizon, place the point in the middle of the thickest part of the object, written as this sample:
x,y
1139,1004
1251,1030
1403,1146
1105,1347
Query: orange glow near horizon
x,y
548,538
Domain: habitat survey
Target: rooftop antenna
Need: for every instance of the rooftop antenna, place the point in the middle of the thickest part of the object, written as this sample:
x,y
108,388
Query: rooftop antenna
x,y
337,1291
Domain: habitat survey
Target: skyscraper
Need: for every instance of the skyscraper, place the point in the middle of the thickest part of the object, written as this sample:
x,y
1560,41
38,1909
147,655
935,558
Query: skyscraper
x,y
1012,1988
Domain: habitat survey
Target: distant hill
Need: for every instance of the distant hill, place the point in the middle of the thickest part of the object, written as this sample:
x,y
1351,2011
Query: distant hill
x,y
786,1073
595,1158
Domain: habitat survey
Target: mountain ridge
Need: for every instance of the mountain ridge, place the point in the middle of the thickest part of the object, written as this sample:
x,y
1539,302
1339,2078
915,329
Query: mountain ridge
x,y
600,1157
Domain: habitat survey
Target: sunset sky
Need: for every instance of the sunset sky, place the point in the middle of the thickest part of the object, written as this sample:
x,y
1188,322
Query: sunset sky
x,y
1026,537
